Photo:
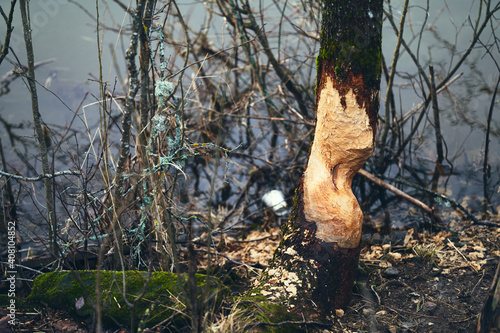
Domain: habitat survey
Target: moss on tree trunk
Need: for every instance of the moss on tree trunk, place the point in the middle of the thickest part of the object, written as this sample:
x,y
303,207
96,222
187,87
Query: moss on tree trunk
x,y
313,270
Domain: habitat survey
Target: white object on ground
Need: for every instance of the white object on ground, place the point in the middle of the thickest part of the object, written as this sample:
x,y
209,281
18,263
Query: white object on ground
x,y
276,200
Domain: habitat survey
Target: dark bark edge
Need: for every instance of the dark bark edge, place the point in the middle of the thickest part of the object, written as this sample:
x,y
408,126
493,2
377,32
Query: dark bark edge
x,y
350,51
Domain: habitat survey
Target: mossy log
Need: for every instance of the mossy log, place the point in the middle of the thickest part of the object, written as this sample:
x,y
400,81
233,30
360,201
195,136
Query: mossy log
x,y
163,296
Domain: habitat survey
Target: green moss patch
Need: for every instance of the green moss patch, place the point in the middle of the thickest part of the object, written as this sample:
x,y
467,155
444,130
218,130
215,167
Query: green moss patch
x,y
280,315
163,297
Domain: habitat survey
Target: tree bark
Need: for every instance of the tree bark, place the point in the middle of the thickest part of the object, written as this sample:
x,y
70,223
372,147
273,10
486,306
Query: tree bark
x,y
314,267
489,319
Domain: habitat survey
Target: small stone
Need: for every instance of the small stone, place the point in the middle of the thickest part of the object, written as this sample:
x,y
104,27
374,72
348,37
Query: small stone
x,y
394,256
291,251
339,313
429,307
376,238
392,329
391,272
368,312
398,236
435,272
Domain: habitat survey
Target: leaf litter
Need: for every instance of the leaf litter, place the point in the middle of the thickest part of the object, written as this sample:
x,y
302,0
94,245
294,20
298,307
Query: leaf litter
x,y
441,282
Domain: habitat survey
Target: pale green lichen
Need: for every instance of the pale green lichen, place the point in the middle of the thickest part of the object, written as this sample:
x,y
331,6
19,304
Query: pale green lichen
x,y
163,89
159,123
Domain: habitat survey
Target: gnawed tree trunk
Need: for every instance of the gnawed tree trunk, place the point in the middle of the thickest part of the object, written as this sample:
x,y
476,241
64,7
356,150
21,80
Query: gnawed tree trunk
x,y
314,267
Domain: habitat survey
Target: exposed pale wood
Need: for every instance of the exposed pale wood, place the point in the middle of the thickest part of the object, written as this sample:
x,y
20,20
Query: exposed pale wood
x,y
343,142
314,267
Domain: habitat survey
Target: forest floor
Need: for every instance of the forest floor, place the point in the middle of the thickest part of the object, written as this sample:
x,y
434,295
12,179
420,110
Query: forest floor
x,y
406,282
434,282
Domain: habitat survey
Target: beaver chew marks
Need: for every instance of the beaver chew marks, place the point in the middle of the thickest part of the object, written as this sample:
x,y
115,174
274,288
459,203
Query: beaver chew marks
x,y
342,143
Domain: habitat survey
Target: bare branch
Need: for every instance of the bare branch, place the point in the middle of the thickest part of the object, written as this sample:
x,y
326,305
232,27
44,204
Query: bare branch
x,y
42,176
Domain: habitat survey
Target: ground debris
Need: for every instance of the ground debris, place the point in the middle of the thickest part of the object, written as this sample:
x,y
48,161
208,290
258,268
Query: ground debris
x,y
442,281
47,320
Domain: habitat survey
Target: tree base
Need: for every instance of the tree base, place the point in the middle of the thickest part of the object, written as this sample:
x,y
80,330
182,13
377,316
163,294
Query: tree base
x,y
308,275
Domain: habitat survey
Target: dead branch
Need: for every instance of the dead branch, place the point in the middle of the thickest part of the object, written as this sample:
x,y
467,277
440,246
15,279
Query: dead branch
x,y
42,176
399,193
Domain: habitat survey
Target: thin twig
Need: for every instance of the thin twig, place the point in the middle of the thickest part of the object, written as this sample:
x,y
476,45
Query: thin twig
x,y
414,110
10,28
486,168
38,122
398,311
437,122
463,256
376,294
451,202
42,176
398,192
390,80
24,267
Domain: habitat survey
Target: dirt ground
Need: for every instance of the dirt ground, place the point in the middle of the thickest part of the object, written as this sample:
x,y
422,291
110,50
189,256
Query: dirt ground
x,y
409,281
432,283
416,282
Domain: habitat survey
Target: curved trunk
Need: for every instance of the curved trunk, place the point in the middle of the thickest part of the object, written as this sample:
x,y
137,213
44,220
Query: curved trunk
x,y
314,267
